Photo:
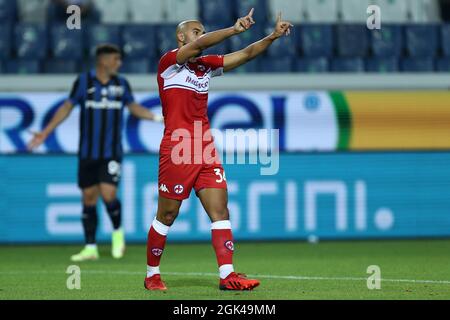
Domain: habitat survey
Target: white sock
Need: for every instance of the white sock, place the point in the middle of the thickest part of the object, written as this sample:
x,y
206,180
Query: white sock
x,y
225,270
152,271
91,246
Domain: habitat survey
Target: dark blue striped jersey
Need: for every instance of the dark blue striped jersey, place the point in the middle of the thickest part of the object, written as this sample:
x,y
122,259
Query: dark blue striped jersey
x,y
101,115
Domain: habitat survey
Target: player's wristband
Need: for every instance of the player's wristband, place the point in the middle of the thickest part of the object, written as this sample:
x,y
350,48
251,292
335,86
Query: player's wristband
x,y
158,118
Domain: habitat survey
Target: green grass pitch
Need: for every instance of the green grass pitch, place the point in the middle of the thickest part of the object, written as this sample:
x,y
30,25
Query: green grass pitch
x,y
416,269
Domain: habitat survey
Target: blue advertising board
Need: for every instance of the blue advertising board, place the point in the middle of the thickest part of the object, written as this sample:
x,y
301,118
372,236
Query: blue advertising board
x,y
325,195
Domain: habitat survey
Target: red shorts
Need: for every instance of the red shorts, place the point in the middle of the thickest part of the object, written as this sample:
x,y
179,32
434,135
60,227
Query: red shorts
x,y
175,181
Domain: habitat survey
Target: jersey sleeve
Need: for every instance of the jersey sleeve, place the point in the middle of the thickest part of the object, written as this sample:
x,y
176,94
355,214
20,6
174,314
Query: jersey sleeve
x,y
168,64
76,93
128,96
215,62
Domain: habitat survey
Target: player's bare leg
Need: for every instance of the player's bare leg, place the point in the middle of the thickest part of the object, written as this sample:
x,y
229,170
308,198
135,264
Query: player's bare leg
x,y
215,203
113,206
168,210
89,219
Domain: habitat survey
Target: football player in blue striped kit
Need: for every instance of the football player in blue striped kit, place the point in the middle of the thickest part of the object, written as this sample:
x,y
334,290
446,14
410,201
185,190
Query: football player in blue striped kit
x,y
102,95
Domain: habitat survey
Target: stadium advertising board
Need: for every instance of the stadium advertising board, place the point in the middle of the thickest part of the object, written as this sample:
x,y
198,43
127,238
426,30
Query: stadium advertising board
x,y
324,196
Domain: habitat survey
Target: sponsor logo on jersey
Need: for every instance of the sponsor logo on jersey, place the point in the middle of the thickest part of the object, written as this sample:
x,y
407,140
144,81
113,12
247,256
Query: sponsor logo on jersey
x,y
229,245
163,188
178,189
157,251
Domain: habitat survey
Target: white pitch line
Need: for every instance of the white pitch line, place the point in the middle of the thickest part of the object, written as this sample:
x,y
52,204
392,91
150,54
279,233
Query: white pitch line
x,y
206,274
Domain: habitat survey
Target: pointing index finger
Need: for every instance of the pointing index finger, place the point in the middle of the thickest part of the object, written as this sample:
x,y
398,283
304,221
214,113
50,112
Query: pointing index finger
x,y
279,17
250,14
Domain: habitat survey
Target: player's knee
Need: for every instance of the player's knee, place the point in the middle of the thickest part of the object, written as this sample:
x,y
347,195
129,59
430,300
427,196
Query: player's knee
x,y
89,199
220,214
168,217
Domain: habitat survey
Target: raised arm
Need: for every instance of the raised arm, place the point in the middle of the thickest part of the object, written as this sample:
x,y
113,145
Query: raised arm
x,y
210,39
235,59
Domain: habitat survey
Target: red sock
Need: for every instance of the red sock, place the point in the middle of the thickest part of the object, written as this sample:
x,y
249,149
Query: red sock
x,y
222,240
155,242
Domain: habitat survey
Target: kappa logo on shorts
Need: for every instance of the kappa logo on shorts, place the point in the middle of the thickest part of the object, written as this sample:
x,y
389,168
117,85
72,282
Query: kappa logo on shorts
x,y
229,245
114,168
178,189
157,251
163,188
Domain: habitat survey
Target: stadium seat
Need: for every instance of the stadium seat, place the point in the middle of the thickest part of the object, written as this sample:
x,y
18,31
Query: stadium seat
x,y
65,43
112,11
252,66
139,65
315,40
217,12
292,10
393,11
421,40
220,48
319,11
60,66
1,67
98,34
145,11
166,38
445,39
382,65
387,42
347,65
138,41
5,41
354,11
417,65
352,40
30,41
443,65
274,65
261,13
32,11
312,65
284,45
22,66
8,11
246,38
425,11
180,10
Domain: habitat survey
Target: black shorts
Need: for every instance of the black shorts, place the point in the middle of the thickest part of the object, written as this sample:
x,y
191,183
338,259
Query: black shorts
x,y
92,172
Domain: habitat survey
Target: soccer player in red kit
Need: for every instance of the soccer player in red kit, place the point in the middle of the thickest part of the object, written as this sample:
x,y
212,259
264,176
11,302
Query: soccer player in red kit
x,y
183,80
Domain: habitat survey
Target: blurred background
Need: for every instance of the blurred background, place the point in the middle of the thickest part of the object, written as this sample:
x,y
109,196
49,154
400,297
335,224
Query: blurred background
x,y
363,117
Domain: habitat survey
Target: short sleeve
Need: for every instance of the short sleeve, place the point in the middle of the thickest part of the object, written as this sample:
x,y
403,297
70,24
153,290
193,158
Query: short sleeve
x,y
215,62
76,95
128,96
168,64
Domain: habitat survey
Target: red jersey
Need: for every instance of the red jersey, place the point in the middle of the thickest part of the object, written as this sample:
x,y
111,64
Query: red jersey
x,y
183,90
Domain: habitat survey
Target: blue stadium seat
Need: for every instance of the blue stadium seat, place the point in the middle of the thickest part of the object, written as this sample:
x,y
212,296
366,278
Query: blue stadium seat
x,y
138,41
98,34
443,65
445,39
60,66
347,65
382,65
352,40
217,12
244,39
260,15
283,46
135,65
387,42
312,65
166,38
8,11
5,41
417,65
421,40
250,67
315,40
280,64
66,43
31,41
22,66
